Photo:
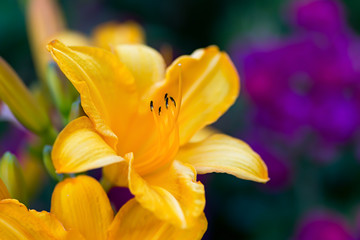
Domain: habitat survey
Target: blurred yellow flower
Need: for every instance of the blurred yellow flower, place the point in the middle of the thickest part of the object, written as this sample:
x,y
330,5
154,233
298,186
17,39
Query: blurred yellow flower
x,y
80,209
45,22
110,34
140,119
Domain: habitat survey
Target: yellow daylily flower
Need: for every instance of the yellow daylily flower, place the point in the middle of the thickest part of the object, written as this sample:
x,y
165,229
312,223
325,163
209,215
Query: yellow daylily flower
x,y
140,119
80,209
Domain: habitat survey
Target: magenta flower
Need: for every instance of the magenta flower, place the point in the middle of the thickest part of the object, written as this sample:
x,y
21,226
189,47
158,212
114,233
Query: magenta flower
x,y
307,83
324,226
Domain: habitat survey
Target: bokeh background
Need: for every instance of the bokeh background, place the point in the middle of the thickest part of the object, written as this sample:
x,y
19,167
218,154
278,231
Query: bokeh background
x,y
299,63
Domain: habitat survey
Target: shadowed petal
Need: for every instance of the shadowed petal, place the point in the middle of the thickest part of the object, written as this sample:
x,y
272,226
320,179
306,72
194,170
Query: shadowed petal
x,y
134,222
117,173
172,194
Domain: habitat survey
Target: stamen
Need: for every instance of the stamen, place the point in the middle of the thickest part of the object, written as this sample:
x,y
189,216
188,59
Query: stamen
x,y
172,99
151,105
165,147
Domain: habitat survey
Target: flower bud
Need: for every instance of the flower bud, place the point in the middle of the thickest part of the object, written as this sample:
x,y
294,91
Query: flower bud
x,y
12,176
20,101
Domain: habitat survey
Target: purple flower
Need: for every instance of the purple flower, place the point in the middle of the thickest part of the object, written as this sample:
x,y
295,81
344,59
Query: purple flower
x,y
309,82
319,15
119,196
324,226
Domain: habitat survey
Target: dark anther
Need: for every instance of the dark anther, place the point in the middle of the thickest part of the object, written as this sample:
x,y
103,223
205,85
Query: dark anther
x,y
151,105
171,98
159,110
167,103
166,96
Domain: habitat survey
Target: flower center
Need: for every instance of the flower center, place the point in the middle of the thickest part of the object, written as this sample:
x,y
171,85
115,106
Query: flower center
x,y
166,135
155,132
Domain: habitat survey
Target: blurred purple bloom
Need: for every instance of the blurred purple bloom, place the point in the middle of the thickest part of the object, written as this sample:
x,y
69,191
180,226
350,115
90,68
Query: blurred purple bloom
x,y
119,196
19,135
319,15
324,226
309,81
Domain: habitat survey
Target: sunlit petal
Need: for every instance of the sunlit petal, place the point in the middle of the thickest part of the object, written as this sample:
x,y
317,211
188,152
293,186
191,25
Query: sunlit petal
x,y
146,65
210,85
18,223
79,148
203,134
81,203
134,222
222,153
105,85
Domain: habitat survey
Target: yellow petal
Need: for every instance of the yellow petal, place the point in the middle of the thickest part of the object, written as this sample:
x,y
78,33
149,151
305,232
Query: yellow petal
x,y
173,194
79,148
18,223
80,203
203,134
224,154
134,222
56,228
146,65
210,85
105,85
117,173
110,34
4,193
